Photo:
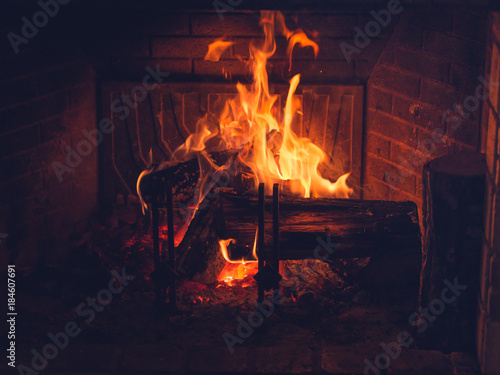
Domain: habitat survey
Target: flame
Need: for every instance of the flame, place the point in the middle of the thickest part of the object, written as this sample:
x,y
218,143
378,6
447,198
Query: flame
x,y
264,140
216,49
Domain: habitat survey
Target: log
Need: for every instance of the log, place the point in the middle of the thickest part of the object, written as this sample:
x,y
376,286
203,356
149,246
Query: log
x,y
454,187
183,177
198,256
362,228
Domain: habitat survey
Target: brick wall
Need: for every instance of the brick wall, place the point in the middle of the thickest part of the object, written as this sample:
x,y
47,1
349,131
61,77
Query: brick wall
x,y
430,64
48,98
122,44
488,338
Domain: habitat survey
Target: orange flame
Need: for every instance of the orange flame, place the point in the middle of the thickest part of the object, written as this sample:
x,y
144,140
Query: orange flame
x,y
216,49
264,140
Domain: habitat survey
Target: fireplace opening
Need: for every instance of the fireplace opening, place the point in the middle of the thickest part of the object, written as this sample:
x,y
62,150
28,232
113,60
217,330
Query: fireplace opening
x,y
195,188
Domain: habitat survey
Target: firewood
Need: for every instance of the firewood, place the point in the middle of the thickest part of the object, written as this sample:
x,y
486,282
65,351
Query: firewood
x,y
359,228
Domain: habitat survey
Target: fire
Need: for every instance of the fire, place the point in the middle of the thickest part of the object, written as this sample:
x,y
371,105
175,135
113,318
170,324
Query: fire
x,y
216,49
264,140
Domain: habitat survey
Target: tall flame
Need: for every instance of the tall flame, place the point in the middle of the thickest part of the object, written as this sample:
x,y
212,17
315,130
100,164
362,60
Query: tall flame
x,y
265,142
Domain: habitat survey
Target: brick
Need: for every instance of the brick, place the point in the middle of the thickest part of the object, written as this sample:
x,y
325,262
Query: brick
x,y
494,304
438,20
407,59
82,95
284,359
495,78
317,71
217,360
426,65
363,69
461,51
467,133
462,370
408,157
387,57
439,94
373,51
375,189
390,127
29,62
232,24
491,142
463,359
490,360
396,81
33,111
392,174
488,215
151,358
399,195
495,271
19,141
347,360
18,91
485,273
19,188
377,145
408,35
120,46
325,24
379,100
234,67
135,68
464,78
122,23
420,114
412,361
62,77
364,19
183,47
169,23
84,358
433,67
495,225
470,26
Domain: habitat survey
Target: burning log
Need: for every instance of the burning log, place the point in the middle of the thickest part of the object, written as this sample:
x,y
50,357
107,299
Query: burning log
x,y
183,177
198,256
360,228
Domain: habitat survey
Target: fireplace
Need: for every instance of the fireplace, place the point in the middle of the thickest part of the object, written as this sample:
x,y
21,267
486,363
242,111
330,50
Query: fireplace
x,y
97,93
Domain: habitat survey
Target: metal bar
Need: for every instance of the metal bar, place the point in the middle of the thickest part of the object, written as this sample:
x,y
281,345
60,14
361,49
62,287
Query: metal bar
x,y
171,245
276,232
260,239
156,252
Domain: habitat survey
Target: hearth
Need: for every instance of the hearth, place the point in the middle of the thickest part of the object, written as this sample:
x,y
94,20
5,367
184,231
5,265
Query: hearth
x,y
294,190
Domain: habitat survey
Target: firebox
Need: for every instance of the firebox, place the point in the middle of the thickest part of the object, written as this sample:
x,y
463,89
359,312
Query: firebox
x,y
310,187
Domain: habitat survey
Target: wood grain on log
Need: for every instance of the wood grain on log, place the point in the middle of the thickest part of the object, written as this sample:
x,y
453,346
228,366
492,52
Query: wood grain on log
x,y
361,228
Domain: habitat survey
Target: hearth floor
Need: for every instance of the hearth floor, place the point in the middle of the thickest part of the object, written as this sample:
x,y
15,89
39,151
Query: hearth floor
x,y
125,338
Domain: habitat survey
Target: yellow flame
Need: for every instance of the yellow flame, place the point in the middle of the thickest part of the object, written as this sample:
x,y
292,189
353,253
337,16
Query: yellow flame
x,y
264,140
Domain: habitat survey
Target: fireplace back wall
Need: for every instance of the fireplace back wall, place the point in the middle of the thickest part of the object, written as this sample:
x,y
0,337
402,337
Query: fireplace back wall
x,y
416,69
420,66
